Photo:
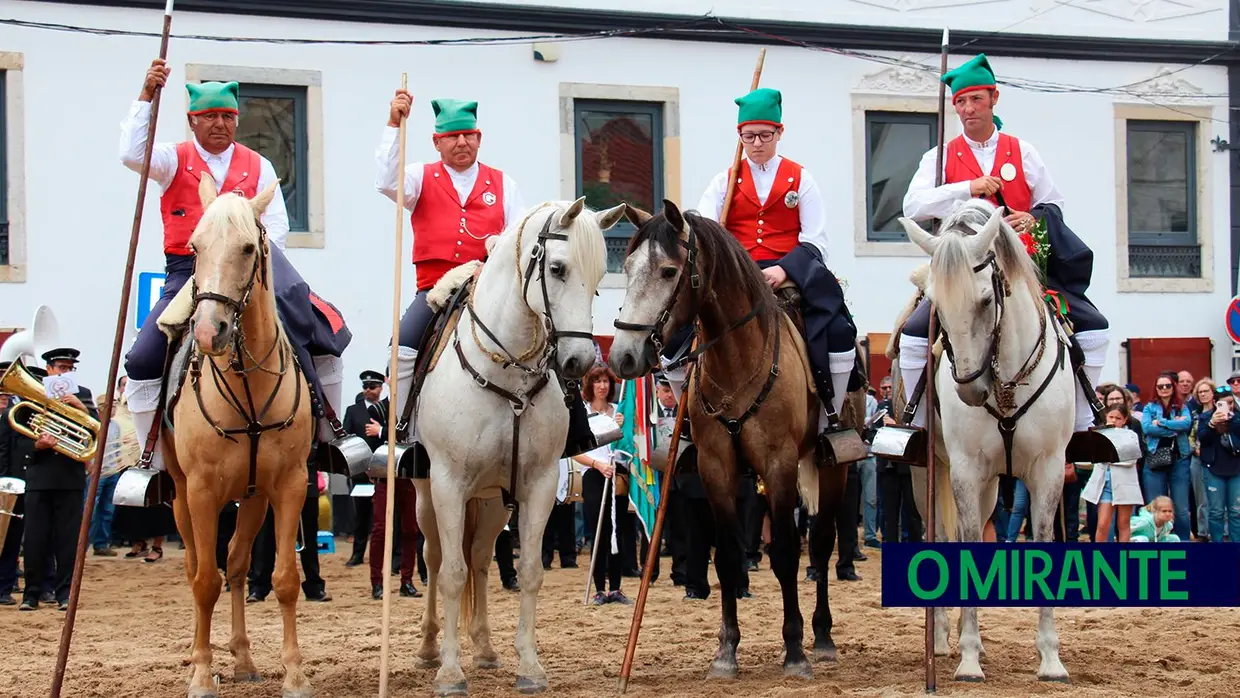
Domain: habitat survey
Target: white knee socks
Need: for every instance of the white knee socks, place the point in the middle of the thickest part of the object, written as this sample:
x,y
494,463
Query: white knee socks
x,y
912,366
1094,344
840,364
406,357
331,376
142,398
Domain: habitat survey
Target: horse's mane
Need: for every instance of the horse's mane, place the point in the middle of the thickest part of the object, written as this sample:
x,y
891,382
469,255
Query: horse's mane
x,y
728,272
587,252
229,212
953,267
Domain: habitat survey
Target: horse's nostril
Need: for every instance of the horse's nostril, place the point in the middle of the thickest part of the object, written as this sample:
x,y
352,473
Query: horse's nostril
x,y
221,327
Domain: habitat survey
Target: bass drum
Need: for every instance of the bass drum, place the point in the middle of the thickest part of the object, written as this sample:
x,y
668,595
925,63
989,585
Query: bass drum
x,y
575,471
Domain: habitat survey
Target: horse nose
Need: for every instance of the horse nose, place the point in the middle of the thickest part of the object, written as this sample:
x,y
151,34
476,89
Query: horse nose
x,y
628,364
572,367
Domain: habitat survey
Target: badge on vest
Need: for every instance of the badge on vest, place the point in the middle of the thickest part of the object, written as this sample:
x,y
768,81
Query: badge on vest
x,y
488,198
1007,172
791,199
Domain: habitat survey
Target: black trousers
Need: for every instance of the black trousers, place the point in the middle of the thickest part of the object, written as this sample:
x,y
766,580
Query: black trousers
x,y
699,536
263,561
752,516
629,533
11,551
226,527
607,566
845,526
676,529
53,518
504,556
896,490
559,536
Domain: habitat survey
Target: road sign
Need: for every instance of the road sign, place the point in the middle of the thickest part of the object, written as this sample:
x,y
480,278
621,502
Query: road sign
x,y
150,286
1233,319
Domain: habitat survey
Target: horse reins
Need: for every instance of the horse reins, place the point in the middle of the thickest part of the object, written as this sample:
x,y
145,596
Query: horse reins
x,y
253,417
521,399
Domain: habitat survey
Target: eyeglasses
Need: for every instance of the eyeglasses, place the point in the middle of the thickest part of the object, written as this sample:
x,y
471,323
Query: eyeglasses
x,y
764,136
1165,386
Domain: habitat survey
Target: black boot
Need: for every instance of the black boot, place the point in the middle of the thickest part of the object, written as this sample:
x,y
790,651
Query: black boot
x,y
376,592
357,559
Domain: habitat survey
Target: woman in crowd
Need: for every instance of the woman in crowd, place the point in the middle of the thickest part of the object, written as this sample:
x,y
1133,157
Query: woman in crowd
x,y
596,388
1166,421
1114,486
1218,435
1203,392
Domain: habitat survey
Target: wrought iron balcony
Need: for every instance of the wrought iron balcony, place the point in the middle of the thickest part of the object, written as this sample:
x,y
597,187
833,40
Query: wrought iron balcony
x,y
1164,261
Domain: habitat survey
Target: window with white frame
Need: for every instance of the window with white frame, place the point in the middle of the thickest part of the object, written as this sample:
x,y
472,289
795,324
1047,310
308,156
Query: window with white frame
x,y
273,123
1162,201
894,144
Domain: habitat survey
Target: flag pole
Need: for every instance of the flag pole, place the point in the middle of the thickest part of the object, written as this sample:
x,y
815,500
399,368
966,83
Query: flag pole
x,y
105,413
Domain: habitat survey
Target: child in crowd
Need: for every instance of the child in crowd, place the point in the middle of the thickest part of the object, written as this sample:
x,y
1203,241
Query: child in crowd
x,y
1153,523
1114,485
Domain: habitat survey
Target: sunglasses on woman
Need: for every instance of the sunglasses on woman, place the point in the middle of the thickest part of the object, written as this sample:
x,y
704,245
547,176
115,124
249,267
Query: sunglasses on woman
x,y
1165,386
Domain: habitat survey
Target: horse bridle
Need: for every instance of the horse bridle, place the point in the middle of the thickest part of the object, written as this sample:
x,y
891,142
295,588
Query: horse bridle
x,y
991,359
253,417
690,272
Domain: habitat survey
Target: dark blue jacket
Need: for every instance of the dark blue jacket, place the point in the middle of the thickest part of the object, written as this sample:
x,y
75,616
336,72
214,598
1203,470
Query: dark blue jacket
x,y
1219,451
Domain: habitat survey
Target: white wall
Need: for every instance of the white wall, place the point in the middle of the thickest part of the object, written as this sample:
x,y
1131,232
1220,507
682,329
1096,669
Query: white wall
x,y
80,198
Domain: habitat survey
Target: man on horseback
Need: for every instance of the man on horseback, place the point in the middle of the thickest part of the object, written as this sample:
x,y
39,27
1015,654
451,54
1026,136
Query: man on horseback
x,y
314,326
777,215
457,206
1009,173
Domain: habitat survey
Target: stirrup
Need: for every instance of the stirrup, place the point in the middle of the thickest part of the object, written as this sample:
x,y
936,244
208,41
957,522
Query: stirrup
x,y
141,486
1104,444
901,443
411,462
841,445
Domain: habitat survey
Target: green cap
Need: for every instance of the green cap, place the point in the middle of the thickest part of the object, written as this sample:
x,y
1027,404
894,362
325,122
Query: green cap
x,y
974,74
213,96
763,105
454,116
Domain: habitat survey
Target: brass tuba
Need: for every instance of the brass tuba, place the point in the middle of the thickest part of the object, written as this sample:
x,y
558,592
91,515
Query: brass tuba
x,y
76,431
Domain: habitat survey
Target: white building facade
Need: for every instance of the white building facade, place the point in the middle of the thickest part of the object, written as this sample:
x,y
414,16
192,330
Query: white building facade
x,y
1132,122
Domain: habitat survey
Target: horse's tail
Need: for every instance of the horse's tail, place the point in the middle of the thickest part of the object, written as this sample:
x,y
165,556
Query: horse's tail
x,y
944,497
807,482
471,530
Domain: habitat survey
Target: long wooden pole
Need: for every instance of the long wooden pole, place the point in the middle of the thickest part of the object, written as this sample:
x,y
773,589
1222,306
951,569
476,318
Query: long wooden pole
x,y
105,413
652,554
397,261
734,173
928,398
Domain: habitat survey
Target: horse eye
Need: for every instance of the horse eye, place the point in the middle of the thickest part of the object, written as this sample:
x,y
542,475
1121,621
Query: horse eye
x,y
668,273
557,270
248,249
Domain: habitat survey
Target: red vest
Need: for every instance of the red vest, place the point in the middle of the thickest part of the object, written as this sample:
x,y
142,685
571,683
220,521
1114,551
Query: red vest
x,y
961,166
181,207
447,234
771,230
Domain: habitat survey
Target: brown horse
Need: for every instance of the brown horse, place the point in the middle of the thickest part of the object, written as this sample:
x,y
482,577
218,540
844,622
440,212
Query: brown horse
x,y
243,431
684,269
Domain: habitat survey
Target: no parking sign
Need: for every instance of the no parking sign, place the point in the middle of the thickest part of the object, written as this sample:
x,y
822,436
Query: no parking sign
x,y
1233,319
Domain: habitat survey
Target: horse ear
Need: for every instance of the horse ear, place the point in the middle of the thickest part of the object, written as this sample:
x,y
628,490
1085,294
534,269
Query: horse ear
x,y
919,237
606,219
206,191
673,215
635,215
264,198
986,237
567,218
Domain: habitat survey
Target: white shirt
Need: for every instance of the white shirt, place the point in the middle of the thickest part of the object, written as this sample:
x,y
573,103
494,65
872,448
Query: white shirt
x,y
164,167
810,207
924,201
387,157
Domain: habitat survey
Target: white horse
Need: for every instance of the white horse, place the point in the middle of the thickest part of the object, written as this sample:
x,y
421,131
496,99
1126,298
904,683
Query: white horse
x,y
535,295
998,332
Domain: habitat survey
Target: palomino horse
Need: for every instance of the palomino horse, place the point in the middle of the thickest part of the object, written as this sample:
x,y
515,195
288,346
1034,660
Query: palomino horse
x,y
755,359
485,409
244,434
1005,366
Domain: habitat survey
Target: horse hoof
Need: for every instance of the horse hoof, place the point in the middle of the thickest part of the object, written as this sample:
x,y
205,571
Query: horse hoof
x,y
528,686
1057,678
451,689
299,693
486,663
423,663
199,692
720,670
799,670
826,654
970,678
247,677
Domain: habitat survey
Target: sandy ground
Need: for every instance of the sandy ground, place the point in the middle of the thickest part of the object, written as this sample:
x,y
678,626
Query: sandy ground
x,y
133,631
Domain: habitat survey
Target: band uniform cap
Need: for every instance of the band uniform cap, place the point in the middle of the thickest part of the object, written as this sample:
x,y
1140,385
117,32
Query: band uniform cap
x,y
61,354
763,105
973,74
213,96
37,372
454,116
371,377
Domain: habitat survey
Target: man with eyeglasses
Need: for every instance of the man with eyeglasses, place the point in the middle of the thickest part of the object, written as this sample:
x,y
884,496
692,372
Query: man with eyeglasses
x,y
983,162
54,486
777,214
457,206
315,327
